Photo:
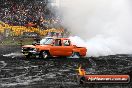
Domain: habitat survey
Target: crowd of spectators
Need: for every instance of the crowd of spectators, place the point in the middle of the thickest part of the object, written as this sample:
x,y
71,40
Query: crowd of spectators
x,y
23,12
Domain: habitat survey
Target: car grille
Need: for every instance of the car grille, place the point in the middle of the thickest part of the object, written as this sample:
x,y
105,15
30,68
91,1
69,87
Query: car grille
x,y
25,49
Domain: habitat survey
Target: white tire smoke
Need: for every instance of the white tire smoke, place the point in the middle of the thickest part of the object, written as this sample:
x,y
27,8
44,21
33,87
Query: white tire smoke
x,y
103,26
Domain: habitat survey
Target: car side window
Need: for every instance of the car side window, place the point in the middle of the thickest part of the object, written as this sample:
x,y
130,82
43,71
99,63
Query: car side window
x,y
66,42
57,42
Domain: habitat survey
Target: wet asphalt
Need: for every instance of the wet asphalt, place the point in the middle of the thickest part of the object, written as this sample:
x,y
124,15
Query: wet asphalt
x,y
18,72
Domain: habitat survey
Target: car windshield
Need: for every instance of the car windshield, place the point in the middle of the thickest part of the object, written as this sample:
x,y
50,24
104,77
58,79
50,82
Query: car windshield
x,y
46,41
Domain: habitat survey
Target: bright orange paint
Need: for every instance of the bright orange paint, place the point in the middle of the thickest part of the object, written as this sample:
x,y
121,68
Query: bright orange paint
x,y
63,50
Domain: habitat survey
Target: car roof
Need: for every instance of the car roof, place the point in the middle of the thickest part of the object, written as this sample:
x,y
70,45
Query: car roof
x,y
58,38
47,37
53,37
63,38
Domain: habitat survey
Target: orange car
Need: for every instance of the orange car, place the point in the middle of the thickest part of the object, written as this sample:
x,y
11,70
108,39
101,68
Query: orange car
x,y
53,47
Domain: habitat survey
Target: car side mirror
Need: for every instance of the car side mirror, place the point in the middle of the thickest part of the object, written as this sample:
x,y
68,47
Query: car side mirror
x,y
52,44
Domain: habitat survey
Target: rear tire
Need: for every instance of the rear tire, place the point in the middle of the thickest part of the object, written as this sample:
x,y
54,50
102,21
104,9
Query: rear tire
x,y
75,55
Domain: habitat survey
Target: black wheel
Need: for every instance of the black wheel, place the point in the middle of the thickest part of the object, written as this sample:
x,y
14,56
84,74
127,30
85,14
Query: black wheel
x,y
44,54
75,55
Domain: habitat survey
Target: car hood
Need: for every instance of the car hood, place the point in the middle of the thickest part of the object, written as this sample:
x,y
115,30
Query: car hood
x,y
32,46
35,46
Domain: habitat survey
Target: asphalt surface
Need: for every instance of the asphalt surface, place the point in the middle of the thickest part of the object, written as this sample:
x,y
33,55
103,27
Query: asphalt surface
x,y
18,72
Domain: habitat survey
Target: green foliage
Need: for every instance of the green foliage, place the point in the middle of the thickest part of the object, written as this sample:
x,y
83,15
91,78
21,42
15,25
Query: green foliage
x,y
16,41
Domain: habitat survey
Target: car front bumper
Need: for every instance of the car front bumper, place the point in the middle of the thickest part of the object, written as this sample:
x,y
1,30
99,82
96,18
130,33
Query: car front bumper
x,y
31,52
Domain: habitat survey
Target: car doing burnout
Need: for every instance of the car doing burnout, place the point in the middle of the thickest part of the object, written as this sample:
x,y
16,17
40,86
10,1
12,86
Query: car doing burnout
x,y
53,47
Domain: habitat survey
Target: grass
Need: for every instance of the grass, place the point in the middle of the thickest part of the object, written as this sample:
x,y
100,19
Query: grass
x,y
16,41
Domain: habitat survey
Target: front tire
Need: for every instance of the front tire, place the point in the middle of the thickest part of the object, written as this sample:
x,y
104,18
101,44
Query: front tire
x,y
44,54
28,56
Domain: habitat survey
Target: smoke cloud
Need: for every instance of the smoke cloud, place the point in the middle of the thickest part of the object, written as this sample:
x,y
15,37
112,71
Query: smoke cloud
x,y
103,26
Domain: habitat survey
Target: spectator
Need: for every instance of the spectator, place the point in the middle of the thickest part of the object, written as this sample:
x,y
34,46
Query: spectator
x,y
21,12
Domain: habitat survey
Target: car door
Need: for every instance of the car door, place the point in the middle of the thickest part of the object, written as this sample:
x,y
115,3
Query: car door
x,y
56,49
66,47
